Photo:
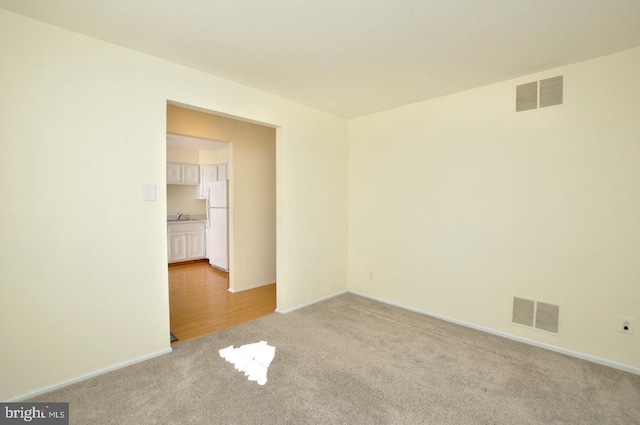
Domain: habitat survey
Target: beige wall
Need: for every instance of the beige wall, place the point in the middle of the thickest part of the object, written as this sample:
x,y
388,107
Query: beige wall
x,y
219,156
185,156
453,204
460,202
182,199
252,187
83,275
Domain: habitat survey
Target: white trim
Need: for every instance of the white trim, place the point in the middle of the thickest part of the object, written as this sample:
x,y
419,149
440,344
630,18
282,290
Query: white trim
x,y
310,303
257,285
571,353
89,375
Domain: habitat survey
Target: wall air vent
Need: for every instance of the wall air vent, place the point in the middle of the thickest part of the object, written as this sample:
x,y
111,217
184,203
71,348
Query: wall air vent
x,y
523,311
540,94
527,96
536,314
547,317
551,92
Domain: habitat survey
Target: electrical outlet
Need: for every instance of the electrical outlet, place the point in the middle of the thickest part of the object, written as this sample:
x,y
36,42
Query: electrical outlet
x,y
626,325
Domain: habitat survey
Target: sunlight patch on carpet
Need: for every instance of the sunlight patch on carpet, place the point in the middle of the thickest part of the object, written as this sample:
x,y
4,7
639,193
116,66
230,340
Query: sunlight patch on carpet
x,y
252,359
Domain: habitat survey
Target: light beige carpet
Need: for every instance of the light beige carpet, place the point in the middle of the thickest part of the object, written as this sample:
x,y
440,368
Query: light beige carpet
x,y
350,360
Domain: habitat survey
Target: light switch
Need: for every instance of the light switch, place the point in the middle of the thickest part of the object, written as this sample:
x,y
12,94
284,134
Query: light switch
x,y
149,191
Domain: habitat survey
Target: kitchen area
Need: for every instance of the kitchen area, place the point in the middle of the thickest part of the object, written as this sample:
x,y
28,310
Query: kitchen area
x,y
247,152
197,200
221,221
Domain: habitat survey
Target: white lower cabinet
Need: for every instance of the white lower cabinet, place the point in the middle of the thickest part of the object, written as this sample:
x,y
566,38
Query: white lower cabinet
x,y
186,241
195,245
177,247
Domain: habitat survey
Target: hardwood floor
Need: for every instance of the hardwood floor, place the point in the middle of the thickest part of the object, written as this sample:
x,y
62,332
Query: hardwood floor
x,y
201,304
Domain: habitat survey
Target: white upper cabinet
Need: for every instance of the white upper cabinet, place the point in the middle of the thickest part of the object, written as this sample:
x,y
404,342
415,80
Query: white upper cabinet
x,y
208,173
174,173
188,174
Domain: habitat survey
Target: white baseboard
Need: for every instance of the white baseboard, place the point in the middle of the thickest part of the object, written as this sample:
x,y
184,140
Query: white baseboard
x,y
328,297
89,375
257,285
571,353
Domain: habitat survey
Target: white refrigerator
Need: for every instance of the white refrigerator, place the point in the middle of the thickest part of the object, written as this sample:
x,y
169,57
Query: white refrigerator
x,y
217,225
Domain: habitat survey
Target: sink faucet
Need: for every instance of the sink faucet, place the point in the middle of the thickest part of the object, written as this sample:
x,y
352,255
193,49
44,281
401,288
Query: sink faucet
x,y
179,215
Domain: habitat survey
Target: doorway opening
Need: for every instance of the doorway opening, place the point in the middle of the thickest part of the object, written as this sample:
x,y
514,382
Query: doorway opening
x,y
247,151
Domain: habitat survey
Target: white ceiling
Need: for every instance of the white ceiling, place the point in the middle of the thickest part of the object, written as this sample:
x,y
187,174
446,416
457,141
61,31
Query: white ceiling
x,y
355,57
